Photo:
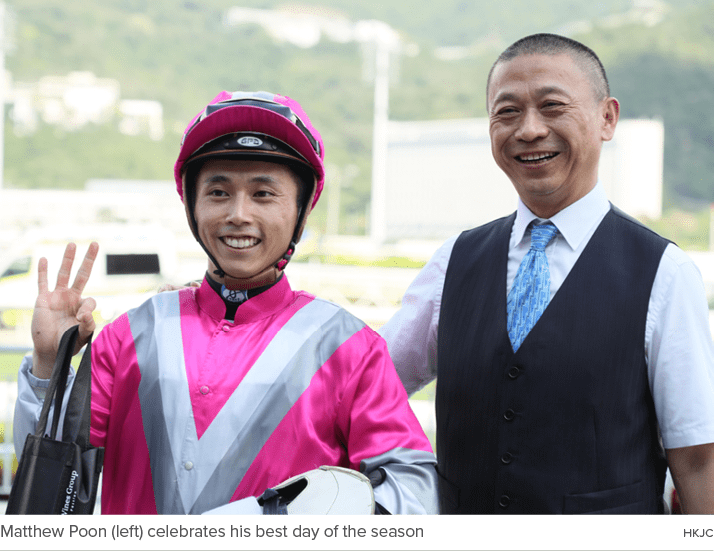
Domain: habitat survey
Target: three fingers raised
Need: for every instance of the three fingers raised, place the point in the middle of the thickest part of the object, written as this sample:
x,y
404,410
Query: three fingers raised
x,y
83,274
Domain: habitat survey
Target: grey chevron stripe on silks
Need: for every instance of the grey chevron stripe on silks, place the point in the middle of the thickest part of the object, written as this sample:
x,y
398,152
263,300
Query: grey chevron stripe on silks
x,y
411,483
228,447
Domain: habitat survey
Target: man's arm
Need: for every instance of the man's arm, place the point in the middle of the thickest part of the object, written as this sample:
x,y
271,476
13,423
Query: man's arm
x,y
411,334
680,357
693,474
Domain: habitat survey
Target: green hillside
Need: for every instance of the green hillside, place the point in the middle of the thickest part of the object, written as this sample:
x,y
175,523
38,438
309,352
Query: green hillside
x,y
181,53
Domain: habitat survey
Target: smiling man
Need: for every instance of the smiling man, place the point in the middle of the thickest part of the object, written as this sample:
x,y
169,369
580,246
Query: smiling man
x,y
547,125
205,398
571,345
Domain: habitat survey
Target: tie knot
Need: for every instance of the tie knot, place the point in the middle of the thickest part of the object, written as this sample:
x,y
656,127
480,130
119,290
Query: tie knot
x,y
541,236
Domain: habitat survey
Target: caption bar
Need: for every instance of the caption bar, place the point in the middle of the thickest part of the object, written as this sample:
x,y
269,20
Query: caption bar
x,y
137,531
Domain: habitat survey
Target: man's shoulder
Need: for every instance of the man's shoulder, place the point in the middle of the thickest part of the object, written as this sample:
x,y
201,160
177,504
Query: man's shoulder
x,y
634,224
505,222
486,236
488,231
636,228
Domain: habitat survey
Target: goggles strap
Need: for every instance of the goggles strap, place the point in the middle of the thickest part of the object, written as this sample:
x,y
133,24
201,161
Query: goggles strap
x,y
265,104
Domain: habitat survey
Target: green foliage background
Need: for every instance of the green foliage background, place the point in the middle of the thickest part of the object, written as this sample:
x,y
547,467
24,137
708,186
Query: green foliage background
x,y
181,54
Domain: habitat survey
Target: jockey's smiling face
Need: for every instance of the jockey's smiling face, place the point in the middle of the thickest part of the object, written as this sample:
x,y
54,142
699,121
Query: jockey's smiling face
x,y
246,213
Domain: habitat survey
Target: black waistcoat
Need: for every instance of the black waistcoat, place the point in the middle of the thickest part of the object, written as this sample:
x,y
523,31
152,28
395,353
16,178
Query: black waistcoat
x,y
567,424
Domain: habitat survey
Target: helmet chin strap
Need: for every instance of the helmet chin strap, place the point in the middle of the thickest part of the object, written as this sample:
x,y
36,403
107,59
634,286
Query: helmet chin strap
x,y
268,275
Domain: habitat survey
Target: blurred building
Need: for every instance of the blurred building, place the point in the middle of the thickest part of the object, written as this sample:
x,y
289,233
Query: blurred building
x,y
79,98
69,101
142,117
303,27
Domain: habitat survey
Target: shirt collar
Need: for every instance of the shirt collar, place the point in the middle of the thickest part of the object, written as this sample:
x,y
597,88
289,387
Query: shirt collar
x,y
255,308
573,222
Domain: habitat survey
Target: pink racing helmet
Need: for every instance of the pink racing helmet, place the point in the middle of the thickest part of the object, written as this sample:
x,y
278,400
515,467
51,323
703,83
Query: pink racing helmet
x,y
278,117
253,126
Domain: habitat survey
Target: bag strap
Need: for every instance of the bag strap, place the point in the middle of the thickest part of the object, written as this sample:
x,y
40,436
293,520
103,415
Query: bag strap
x,y
58,383
78,415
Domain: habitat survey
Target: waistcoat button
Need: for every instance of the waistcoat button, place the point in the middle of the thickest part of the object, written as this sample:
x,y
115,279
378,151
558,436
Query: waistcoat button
x,y
504,502
507,458
514,372
509,415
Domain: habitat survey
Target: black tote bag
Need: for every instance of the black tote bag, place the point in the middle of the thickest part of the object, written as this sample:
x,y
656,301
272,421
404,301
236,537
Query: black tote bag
x,y
60,475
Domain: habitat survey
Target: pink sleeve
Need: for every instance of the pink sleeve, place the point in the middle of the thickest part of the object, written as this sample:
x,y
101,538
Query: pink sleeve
x,y
384,439
374,413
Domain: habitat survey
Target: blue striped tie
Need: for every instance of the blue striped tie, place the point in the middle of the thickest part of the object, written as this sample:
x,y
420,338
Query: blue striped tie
x,y
531,287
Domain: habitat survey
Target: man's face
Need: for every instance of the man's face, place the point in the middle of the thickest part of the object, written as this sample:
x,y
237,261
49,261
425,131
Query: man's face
x,y
246,213
547,129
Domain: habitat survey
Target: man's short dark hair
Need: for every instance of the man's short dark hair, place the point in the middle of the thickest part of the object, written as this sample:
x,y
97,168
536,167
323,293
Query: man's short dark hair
x,y
551,45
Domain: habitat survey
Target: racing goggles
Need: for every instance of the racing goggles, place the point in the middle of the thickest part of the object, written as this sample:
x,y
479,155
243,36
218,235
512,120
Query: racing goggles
x,y
260,100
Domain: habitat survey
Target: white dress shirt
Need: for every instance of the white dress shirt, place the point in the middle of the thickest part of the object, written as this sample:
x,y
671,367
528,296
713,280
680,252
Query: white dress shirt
x,y
677,341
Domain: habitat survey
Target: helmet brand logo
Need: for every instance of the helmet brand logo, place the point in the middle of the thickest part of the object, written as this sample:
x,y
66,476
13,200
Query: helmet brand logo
x,y
250,141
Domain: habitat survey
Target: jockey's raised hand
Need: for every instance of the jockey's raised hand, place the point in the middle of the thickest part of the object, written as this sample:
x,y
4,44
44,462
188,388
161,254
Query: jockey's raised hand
x,y
58,310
